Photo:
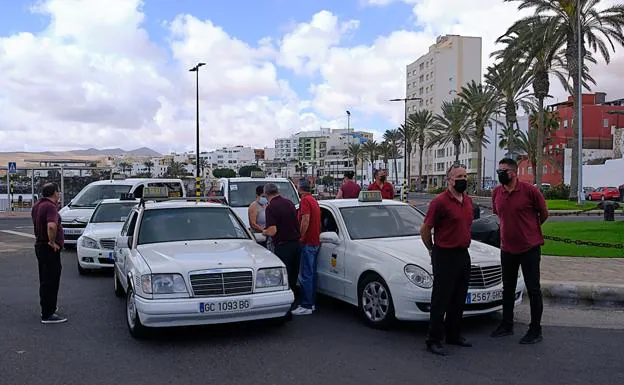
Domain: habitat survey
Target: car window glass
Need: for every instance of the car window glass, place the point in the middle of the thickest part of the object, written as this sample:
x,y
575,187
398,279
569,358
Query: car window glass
x,y
132,225
90,196
241,194
124,229
112,212
328,222
174,188
381,221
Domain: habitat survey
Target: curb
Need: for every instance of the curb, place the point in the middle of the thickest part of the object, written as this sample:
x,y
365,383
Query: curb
x,y
584,291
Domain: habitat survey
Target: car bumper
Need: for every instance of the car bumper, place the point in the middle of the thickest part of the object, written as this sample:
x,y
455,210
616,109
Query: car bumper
x,y
94,258
415,305
186,311
71,235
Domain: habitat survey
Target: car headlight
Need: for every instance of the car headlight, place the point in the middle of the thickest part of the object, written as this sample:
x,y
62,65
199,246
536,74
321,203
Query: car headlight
x,y
163,284
418,276
89,243
271,277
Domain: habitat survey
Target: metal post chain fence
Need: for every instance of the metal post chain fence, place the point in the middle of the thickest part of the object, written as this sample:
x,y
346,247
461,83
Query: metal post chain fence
x,y
585,243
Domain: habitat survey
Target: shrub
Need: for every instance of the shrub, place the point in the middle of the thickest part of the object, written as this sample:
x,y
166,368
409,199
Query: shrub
x,y
560,191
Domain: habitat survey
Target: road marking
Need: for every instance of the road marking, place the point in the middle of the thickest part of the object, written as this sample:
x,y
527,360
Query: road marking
x,y
18,233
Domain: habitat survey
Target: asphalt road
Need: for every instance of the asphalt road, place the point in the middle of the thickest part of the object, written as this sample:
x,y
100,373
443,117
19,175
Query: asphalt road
x,y
582,345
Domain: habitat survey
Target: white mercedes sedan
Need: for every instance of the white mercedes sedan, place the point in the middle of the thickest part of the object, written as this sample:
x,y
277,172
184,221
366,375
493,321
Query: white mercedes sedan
x,y
372,256
181,263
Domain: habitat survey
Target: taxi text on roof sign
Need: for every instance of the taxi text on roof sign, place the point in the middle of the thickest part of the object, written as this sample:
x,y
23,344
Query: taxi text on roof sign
x,y
257,174
155,192
370,196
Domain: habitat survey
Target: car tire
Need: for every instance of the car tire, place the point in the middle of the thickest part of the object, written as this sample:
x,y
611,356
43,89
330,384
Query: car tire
x,y
81,270
119,290
375,302
135,327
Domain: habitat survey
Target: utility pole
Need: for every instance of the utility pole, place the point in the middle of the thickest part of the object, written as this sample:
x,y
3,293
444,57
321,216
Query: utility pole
x,y
198,158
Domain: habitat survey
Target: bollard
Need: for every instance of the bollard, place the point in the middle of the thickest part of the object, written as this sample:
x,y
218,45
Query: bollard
x,y
609,211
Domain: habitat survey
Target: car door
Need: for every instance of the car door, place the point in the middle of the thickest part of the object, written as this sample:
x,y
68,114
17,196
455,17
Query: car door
x,y
331,270
122,252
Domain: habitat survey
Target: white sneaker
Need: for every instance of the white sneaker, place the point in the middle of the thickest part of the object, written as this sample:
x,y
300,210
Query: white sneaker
x,y
302,311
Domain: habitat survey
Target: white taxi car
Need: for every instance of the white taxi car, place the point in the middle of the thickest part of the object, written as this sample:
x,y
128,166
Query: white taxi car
x,y
180,262
372,256
97,242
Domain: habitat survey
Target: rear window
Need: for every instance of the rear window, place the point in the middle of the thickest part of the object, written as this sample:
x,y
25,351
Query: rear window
x,y
90,196
241,194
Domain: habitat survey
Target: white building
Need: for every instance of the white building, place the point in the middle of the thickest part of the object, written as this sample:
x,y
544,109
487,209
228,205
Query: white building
x,y
231,157
287,148
269,153
436,77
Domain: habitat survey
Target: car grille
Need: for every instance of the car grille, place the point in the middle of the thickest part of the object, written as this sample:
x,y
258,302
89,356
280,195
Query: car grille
x,y
217,284
482,277
107,244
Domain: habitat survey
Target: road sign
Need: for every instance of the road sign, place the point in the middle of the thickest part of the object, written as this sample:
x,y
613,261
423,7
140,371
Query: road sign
x,y
12,168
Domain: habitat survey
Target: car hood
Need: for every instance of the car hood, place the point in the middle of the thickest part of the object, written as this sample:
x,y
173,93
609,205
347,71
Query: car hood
x,y
183,257
70,214
412,250
103,230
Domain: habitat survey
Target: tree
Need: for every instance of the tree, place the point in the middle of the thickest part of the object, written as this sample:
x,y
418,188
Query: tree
x,y
149,165
370,150
393,137
481,102
422,123
407,142
599,28
301,168
223,173
354,151
453,125
507,139
385,151
245,171
176,170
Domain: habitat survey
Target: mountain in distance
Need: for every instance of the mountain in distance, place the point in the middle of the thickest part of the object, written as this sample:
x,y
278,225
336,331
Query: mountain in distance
x,y
139,152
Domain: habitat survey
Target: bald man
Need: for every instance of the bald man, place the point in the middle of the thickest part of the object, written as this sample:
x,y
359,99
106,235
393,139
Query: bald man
x,y
450,216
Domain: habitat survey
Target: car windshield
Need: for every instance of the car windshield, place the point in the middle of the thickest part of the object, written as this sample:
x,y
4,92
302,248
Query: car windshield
x,y
241,194
189,224
90,196
112,212
382,221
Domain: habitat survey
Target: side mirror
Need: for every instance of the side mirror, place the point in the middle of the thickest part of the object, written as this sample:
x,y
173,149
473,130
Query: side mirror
x,y
259,237
124,242
330,237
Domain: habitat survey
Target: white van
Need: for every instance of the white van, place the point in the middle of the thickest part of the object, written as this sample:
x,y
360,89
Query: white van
x,y
76,214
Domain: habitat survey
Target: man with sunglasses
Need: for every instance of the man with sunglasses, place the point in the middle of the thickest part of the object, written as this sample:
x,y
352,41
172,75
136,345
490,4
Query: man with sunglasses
x,y
450,216
522,210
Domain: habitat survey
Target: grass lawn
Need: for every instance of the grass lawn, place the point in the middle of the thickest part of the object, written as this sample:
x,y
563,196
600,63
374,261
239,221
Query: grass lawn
x,y
562,204
610,232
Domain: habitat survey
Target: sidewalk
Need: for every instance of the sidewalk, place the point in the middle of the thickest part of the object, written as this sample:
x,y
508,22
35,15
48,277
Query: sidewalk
x,y
583,279
14,214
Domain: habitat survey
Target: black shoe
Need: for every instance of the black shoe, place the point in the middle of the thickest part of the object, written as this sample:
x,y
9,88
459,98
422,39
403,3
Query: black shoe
x,y
502,331
531,337
436,348
460,341
54,319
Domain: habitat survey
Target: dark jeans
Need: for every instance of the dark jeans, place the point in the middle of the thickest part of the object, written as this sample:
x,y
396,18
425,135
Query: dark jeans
x,y
451,270
530,263
288,252
49,278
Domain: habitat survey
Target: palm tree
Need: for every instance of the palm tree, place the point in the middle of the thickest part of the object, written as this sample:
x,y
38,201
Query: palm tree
x,y
507,139
385,151
149,165
301,168
369,149
393,137
422,122
453,125
354,151
598,30
407,142
539,45
481,101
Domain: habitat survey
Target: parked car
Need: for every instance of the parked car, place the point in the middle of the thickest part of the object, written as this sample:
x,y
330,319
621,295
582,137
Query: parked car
x,y
604,194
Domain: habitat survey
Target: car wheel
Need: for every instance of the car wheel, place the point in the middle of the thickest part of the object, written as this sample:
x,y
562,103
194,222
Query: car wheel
x,y
81,270
589,197
119,291
136,328
375,302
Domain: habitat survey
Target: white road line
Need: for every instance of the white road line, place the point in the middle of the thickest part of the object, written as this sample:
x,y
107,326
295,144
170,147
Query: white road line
x,y
18,233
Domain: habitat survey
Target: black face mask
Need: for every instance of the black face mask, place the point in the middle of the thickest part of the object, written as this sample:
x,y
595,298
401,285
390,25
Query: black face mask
x,y
503,177
460,185
383,179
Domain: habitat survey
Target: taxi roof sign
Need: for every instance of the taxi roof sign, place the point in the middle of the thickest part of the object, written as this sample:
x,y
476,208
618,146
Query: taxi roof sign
x,y
370,196
257,174
155,192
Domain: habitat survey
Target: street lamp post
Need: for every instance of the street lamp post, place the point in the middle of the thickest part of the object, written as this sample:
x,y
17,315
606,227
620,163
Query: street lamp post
x,y
197,165
405,100
580,195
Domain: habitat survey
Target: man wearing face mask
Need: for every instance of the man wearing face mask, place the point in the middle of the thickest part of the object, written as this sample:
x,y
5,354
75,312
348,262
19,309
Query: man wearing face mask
x,y
380,184
450,216
256,212
522,210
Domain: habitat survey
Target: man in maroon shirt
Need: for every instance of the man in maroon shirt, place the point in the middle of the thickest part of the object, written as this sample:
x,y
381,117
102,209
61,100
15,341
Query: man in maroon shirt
x,y
310,229
522,210
48,244
450,216
349,189
380,184
282,226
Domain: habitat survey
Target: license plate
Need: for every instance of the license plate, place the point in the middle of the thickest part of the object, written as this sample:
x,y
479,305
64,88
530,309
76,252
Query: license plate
x,y
484,297
110,255
72,231
226,306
